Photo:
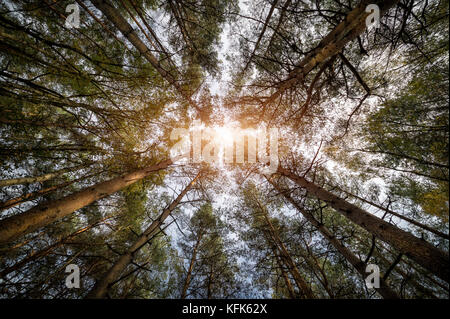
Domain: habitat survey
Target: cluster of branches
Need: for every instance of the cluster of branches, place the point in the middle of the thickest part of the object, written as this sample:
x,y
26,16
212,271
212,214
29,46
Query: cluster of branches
x,y
86,113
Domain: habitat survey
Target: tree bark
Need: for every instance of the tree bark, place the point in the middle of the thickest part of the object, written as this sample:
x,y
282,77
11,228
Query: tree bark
x,y
385,291
126,29
30,196
266,23
422,252
287,281
191,266
409,220
286,257
37,179
100,288
41,215
352,26
301,283
44,252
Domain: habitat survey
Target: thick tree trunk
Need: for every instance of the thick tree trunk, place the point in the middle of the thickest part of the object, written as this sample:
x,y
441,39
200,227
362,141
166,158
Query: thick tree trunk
x,y
191,267
409,220
46,213
100,289
422,252
408,278
30,196
385,291
352,26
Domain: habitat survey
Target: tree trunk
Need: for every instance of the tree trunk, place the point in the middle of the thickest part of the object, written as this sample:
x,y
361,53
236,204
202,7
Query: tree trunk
x,y
178,18
100,288
191,266
30,196
44,252
301,283
41,215
275,239
407,277
409,220
266,23
422,252
277,28
37,179
385,291
352,26
287,281
126,29
210,283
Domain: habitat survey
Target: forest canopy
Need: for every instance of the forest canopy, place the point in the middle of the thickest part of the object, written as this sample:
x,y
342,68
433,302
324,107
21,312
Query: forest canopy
x,y
323,150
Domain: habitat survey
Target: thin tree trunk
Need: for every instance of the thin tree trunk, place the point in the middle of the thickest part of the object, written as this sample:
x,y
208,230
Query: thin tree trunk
x,y
37,179
177,14
41,215
126,29
266,23
191,267
210,283
301,283
44,252
159,45
414,266
100,288
30,196
407,277
287,281
280,21
312,262
422,252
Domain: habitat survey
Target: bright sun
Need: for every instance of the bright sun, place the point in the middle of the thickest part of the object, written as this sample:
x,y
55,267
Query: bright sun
x,y
224,134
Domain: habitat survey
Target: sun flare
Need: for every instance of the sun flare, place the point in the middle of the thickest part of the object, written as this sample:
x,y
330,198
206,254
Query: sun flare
x,y
225,135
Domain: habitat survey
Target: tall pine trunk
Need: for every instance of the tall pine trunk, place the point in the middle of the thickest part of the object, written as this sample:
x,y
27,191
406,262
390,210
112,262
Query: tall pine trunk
x,y
41,215
38,179
286,257
187,281
281,266
44,252
353,25
385,291
409,220
422,252
101,287
128,32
